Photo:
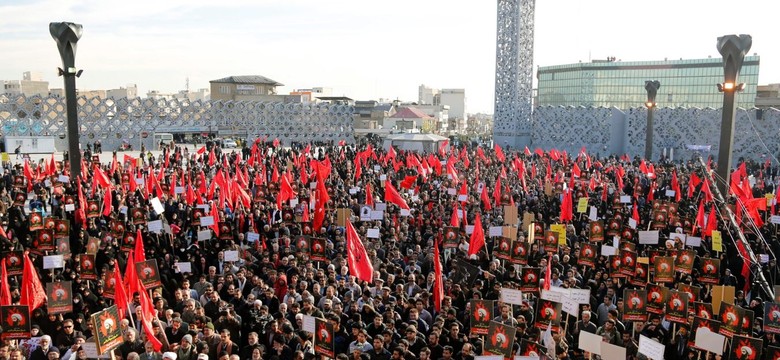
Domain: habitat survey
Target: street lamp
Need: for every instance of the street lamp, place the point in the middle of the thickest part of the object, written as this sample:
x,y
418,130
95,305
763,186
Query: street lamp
x,y
67,35
652,89
733,49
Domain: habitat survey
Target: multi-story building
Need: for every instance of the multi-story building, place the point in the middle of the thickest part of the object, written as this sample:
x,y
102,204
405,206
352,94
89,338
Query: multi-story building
x,y
607,83
130,91
428,96
456,100
768,96
248,88
32,83
312,95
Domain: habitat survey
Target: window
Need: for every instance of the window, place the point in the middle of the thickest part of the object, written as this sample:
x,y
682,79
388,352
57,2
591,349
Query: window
x,y
224,89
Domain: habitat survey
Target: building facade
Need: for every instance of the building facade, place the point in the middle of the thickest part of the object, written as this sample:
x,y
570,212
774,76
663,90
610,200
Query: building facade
x,y
456,100
684,83
768,96
245,88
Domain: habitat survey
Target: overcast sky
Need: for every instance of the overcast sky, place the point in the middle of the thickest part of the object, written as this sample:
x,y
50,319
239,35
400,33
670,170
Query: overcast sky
x,y
363,49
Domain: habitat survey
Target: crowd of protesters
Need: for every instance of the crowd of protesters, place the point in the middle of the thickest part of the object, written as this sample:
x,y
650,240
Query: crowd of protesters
x,y
254,307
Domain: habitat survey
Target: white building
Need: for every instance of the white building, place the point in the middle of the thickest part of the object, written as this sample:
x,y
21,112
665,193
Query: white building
x,y
31,84
130,92
456,100
428,96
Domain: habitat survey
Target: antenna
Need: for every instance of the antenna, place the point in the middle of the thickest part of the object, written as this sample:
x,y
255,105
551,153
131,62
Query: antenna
x,y
187,84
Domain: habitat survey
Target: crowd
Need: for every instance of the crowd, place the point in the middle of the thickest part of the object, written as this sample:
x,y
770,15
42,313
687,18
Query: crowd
x,y
281,249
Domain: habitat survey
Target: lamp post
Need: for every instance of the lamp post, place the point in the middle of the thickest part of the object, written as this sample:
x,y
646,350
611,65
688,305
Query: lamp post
x,y
733,49
652,89
67,35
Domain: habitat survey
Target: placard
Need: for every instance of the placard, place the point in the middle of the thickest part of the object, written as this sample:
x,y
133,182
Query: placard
x,y
206,221
481,314
495,231
632,223
650,348
609,351
308,324
775,219
405,212
53,262
70,207
469,229
581,296
625,199
694,241
500,339
204,235
710,341
720,294
510,215
252,237
63,179
591,343
155,226
60,297
582,205
110,334
511,296
378,214
607,250
148,273
231,255
717,241
648,237
16,322
593,216
157,206
561,230
183,267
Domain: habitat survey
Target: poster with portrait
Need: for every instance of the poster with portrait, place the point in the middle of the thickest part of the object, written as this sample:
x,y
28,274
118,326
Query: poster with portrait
x,y
613,227
318,249
108,332
14,265
628,262
87,265
641,274
614,266
747,321
771,317
683,263
677,307
61,228
16,322
692,291
587,255
19,198
529,280
45,240
60,297
660,219
664,269
480,316
138,216
302,244
548,314
49,223
519,253
532,349
746,347
550,241
702,310
503,248
538,231
93,245
501,339
93,209
117,228
596,231
634,305
109,287
628,234
772,353
128,241
709,273
730,319
225,230
656,299
36,221
148,273
197,213
450,237
323,338
63,247
626,245
18,181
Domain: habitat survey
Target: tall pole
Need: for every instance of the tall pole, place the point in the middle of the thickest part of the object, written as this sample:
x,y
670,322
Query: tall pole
x,y
67,35
733,49
652,89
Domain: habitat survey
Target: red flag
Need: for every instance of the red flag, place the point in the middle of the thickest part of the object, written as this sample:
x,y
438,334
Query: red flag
x,y
5,290
107,202
527,152
712,222
359,263
120,297
497,192
745,264
438,288
148,314
140,252
566,207
634,212
212,158
442,147
369,196
392,196
693,182
454,220
699,217
33,293
499,152
131,278
276,142
215,215
477,240
408,182
201,150
548,273
285,191
485,199
575,170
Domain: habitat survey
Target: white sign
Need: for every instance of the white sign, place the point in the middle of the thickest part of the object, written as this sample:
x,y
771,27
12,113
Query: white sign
x,y
451,191
648,237
157,206
463,197
590,342
204,235
377,215
365,213
518,357
570,306
763,258
183,267
380,206
610,352
511,296
649,347
231,255
179,190
593,216
53,262
308,323
206,220
670,193
406,212
205,207
607,250
552,295
123,209
155,226
63,179
581,296
495,231
694,241
383,177
469,229
139,181
372,233
775,219
293,202
710,341
252,237
70,207
632,223
625,199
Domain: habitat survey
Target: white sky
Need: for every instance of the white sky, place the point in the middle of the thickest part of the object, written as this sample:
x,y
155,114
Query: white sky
x,y
364,49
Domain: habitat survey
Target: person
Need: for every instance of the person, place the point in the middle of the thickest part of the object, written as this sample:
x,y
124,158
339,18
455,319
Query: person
x,y
150,353
44,345
18,152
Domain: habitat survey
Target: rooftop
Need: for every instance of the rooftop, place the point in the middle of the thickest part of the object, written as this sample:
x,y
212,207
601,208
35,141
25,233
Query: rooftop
x,y
410,113
247,79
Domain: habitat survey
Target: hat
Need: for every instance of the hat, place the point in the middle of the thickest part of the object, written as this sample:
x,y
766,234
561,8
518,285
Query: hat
x,y
53,349
187,338
328,301
203,357
169,355
209,325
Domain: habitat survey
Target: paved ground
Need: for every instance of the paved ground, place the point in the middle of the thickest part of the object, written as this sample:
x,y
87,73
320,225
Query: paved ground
x,y
105,157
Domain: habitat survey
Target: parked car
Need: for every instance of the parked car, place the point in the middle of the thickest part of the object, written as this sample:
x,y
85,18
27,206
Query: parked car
x,y
229,144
